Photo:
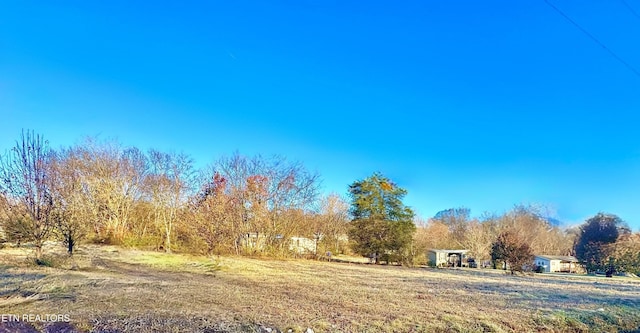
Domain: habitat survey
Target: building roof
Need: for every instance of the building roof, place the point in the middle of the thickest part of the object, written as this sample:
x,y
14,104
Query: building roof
x,y
448,251
561,258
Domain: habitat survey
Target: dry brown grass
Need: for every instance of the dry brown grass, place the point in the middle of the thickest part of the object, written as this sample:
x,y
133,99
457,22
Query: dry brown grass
x,y
119,290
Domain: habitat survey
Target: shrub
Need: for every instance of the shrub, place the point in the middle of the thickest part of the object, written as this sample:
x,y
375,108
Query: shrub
x,y
62,261
46,261
510,248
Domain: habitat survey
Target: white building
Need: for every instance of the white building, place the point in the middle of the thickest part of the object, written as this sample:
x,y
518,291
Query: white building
x,y
444,258
557,264
303,245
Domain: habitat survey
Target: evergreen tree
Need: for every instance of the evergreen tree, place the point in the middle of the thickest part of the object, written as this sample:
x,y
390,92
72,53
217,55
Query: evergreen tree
x,y
382,226
596,237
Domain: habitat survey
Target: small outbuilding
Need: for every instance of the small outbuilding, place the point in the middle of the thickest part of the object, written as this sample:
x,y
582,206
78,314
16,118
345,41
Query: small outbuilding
x,y
557,264
303,245
447,258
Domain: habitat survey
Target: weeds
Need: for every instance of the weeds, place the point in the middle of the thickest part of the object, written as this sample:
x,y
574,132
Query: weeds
x,y
19,299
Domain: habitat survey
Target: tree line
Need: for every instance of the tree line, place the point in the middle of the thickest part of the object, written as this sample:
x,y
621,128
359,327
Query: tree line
x,y
102,192
383,227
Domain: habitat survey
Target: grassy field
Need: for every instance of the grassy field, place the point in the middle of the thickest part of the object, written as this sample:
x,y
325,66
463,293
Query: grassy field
x,y
107,289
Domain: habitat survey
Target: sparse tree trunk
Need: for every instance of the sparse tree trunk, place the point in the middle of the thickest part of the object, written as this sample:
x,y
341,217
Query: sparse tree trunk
x,y
38,248
70,244
167,241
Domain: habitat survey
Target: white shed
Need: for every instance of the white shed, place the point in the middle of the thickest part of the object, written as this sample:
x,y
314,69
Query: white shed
x,y
302,245
557,264
441,258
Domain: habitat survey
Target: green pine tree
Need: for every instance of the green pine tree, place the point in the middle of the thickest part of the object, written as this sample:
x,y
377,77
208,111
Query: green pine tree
x,y
382,226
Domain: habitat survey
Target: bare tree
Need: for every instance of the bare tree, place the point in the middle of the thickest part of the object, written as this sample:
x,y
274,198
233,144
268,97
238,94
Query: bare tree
x,y
479,238
236,169
433,235
15,223
168,186
457,220
262,192
211,214
289,187
111,178
535,230
70,209
4,217
333,222
25,183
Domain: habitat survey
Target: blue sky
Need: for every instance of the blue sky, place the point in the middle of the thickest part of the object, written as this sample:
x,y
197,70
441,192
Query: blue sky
x,y
482,104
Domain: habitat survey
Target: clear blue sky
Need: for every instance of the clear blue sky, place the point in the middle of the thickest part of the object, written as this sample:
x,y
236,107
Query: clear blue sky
x,y
483,104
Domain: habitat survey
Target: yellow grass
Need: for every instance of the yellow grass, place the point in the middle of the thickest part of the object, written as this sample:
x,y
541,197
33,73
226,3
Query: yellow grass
x,y
125,290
